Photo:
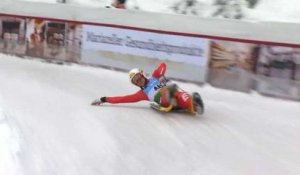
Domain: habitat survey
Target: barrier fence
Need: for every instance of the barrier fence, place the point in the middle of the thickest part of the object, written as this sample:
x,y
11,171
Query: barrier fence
x,y
271,69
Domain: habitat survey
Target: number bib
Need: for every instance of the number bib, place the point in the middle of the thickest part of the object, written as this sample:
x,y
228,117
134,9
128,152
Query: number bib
x,y
153,87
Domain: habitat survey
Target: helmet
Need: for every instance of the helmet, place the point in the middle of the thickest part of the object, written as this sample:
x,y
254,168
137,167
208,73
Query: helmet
x,y
136,80
135,71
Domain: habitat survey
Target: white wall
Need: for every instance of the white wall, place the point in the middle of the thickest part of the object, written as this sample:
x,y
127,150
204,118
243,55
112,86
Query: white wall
x,y
259,31
284,34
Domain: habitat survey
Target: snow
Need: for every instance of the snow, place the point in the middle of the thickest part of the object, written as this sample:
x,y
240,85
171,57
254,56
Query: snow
x,y
48,127
283,11
264,10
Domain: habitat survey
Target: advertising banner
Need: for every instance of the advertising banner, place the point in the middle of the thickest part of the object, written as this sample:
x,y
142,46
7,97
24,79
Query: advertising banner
x,y
73,42
45,39
53,40
231,64
275,87
12,40
163,46
278,71
279,62
124,48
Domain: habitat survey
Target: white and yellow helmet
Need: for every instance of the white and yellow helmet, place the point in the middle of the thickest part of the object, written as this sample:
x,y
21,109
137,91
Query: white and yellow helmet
x,y
135,71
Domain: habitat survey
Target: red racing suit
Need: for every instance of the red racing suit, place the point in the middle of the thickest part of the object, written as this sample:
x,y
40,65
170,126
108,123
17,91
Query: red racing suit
x,y
153,92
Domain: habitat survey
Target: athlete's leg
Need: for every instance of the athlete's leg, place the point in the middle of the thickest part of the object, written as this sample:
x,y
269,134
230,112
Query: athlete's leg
x,y
183,100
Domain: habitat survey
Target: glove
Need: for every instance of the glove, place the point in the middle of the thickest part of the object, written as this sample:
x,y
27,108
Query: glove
x,y
98,101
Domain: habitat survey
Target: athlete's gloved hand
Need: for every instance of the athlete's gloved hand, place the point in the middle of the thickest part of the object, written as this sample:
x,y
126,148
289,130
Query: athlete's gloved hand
x,y
98,101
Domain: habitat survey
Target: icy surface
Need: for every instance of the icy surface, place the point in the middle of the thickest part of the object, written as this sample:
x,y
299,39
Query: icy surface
x,y
48,127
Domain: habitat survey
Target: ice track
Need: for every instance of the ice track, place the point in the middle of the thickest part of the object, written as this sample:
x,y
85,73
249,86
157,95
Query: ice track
x,y
49,128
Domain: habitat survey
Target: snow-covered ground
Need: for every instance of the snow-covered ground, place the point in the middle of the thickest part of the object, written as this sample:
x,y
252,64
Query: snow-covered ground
x,y
269,10
48,127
